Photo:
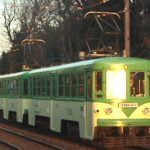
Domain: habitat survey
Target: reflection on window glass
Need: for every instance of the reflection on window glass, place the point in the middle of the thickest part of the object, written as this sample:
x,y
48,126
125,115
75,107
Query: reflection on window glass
x,y
61,85
2,88
137,84
48,81
81,90
89,87
13,87
41,86
73,85
67,85
98,84
25,87
116,84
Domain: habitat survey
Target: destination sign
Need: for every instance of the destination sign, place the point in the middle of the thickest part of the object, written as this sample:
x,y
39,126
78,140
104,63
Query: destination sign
x,y
128,105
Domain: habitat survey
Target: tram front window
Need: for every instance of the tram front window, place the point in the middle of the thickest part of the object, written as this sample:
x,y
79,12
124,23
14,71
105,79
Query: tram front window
x,y
116,84
137,80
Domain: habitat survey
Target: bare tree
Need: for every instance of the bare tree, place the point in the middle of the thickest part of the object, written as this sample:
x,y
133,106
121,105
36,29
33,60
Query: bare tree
x,y
9,13
70,28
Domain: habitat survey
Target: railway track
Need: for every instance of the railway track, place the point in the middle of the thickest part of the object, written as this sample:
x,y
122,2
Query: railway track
x,y
9,145
29,139
56,140
118,143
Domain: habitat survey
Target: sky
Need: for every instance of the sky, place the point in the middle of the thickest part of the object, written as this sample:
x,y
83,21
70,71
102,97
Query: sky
x,y
4,43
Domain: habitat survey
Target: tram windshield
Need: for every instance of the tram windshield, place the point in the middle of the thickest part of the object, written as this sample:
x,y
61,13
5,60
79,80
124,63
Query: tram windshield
x,y
137,84
116,84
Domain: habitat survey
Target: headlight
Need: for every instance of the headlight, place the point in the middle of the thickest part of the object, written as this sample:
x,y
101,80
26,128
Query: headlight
x,y
108,111
146,111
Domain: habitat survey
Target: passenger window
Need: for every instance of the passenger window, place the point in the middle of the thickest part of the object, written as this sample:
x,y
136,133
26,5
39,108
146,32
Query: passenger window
x,y
25,84
89,86
61,85
34,86
98,84
67,85
39,85
13,89
73,85
48,81
81,89
43,87
137,84
1,88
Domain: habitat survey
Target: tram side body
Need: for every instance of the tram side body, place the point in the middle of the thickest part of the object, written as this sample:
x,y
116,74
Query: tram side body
x,y
12,97
43,93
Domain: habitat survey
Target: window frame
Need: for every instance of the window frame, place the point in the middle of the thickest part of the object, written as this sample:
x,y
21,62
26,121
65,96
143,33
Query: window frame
x,y
73,86
38,84
133,83
98,93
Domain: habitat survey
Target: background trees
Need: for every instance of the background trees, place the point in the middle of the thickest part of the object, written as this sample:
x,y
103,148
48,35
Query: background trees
x,y
61,24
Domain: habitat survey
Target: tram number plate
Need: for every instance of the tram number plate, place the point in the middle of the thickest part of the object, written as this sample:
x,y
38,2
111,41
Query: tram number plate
x,y
128,105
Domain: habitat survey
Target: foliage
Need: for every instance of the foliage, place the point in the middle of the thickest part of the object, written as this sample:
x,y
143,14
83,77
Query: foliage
x,y
140,28
61,24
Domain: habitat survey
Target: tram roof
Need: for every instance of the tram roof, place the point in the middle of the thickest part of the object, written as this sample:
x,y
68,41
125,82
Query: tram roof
x,y
11,75
64,66
87,63
106,61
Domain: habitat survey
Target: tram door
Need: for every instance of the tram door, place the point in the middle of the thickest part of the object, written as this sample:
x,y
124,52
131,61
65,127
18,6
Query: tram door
x,y
88,85
53,95
88,105
53,85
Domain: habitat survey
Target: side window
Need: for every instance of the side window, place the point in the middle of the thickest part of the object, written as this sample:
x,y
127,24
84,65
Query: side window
x,y
137,84
30,92
17,87
39,87
81,88
98,84
13,87
2,87
48,84
64,85
43,87
9,87
25,87
73,85
89,85
34,87
61,85
54,89
67,85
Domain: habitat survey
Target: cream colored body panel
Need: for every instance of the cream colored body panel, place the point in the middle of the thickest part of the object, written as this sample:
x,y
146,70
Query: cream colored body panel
x,y
85,113
16,105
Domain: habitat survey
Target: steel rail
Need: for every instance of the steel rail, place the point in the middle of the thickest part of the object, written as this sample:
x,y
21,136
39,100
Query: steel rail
x,y
33,139
10,145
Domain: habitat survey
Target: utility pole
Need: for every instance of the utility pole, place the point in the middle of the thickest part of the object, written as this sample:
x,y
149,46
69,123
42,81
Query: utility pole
x,y
127,29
